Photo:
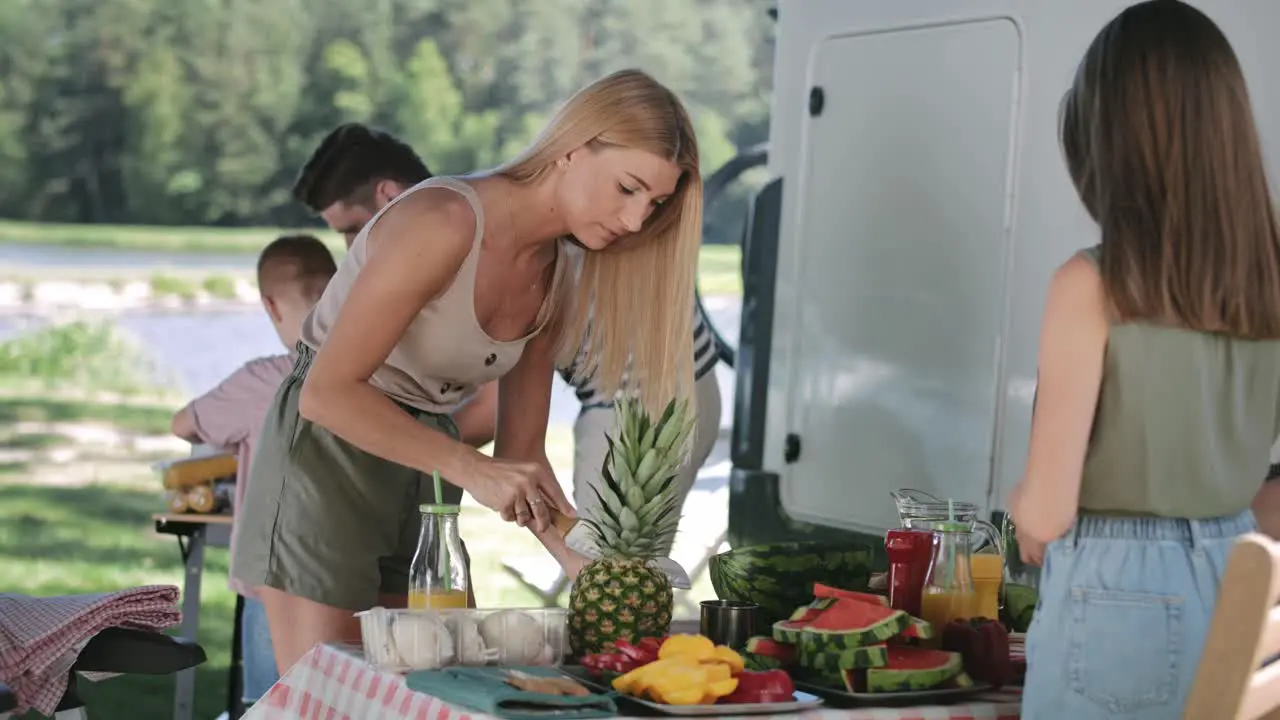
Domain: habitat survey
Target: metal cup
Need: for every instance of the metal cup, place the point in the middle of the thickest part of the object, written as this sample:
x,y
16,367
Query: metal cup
x,y
728,622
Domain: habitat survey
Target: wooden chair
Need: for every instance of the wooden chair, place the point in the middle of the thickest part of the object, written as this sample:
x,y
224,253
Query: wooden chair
x,y
1237,679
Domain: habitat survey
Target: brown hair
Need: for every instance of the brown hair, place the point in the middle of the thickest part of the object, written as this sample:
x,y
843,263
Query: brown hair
x,y
350,162
652,269
1159,138
298,262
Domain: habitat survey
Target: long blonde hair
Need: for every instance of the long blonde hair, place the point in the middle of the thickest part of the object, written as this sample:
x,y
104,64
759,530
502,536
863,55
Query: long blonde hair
x,y
633,301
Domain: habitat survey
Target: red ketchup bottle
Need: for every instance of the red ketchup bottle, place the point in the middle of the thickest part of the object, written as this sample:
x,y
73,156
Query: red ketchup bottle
x,y
910,552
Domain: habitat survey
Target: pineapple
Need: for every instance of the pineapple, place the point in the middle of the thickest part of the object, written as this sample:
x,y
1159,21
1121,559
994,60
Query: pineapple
x,y
622,596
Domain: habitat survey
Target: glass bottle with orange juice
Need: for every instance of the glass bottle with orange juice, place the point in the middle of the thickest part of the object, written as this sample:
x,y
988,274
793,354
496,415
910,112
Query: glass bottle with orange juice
x,y
438,574
948,588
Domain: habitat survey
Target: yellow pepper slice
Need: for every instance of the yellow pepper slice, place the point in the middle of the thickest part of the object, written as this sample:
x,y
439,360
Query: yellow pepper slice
x,y
684,696
697,647
716,671
716,690
726,655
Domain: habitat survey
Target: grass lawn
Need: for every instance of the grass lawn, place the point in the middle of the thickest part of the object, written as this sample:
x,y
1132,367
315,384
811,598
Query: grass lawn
x,y
153,238
75,517
719,266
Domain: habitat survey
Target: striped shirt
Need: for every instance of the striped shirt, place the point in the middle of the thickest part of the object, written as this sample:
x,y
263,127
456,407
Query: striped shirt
x,y
705,358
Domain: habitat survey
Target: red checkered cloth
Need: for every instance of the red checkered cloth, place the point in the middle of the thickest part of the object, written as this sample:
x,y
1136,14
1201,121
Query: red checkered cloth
x,y
333,683
40,638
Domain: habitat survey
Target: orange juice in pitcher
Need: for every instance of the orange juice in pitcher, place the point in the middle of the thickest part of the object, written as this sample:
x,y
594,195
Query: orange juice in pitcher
x,y
987,569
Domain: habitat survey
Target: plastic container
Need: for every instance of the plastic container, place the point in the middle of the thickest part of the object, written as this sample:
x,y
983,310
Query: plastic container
x,y
401,640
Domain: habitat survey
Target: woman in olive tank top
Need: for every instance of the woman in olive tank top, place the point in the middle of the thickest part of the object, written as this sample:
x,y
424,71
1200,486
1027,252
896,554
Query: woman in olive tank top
x,y
1159,371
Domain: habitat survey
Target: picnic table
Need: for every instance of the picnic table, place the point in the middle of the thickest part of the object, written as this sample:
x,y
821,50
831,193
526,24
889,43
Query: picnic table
x,y
334,681
196,532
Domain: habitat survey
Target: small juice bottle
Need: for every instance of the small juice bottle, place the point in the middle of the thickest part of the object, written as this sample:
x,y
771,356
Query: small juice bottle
x,y
948,588
437,599
438,577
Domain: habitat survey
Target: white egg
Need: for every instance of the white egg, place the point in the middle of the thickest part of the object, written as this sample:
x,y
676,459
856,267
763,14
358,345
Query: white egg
x,y
470,645
518,637
422,642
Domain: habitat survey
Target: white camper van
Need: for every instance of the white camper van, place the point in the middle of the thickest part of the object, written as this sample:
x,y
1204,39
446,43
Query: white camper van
x,y
896,264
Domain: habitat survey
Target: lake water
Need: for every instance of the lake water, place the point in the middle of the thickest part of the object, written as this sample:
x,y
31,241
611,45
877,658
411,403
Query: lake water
x,y
194,350
18,255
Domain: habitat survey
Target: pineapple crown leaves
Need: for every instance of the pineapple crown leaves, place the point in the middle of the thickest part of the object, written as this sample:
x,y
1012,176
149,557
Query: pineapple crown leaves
x,y
637,506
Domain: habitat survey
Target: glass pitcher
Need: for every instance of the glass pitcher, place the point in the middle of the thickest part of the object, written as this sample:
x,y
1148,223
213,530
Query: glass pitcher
x,y
1016,571
918,510
948,587
438,577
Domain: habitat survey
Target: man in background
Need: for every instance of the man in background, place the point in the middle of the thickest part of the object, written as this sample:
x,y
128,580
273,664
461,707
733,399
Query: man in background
x,y
354,173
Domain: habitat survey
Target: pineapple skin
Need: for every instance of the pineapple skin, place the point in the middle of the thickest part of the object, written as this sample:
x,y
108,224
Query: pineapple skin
x,y
622,596
618,599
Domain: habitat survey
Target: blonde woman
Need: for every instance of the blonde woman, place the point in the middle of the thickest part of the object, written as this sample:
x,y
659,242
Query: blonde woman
x,y
455,283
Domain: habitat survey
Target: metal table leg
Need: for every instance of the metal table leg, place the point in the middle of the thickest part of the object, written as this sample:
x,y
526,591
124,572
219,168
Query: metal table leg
x,y
193,560
235,679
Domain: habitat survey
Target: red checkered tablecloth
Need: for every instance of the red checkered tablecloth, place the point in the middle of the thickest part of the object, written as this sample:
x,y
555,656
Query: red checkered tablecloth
x,y
332,683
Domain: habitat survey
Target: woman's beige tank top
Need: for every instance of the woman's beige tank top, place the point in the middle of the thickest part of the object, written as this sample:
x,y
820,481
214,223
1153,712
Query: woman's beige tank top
x,y
444,353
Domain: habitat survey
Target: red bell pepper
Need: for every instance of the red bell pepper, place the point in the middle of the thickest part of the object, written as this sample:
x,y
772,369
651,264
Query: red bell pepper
x,y
651,644
767,686
984,645
608,662
639,653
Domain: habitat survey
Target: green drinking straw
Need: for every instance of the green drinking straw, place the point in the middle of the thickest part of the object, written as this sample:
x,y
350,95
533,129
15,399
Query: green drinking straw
x,y
448,581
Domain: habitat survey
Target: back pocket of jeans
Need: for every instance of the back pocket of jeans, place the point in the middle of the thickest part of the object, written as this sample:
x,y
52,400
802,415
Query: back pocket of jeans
x,y
1125,648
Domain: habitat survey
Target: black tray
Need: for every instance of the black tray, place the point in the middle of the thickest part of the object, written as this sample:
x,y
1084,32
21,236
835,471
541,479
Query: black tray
x,y
839,697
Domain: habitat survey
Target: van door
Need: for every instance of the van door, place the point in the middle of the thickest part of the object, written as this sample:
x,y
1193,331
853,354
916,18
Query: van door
x,y
902,255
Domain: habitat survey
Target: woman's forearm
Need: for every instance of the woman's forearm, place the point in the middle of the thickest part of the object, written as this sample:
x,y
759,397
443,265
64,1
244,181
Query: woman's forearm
x,y
1041,515
361,415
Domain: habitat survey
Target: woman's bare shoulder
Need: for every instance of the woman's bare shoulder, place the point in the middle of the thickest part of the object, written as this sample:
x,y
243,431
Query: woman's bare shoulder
x,y
1076,294
437,221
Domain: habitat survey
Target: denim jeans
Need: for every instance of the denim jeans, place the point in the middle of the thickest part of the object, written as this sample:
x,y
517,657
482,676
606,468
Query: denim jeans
x,y
257,655
1124,609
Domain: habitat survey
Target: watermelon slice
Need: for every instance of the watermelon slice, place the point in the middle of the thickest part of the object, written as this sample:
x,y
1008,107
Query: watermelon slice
x,y
961,681
784,653
759,663
907,669
845,624
834,593
831,663
918,629
805,613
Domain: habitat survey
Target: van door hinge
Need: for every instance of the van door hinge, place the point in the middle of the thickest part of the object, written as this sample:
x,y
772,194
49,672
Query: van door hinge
x,y
817,99
791,448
